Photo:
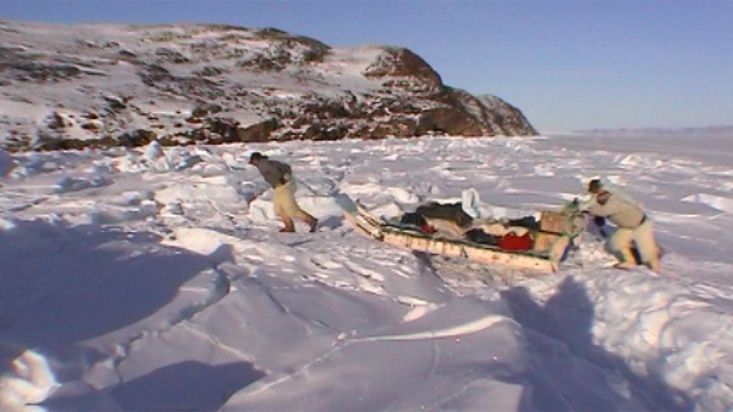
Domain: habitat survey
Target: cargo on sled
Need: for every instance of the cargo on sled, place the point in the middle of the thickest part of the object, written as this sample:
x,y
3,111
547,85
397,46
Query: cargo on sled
x,y
525,243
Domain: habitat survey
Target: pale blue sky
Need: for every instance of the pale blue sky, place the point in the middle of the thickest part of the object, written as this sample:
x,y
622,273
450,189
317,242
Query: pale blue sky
x,y
567,64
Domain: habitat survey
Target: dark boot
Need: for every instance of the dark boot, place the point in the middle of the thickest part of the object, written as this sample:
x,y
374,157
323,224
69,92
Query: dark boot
x,y
289,225
312,222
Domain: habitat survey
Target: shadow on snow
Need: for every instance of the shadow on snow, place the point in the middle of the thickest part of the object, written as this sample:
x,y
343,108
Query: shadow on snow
x,y
189,385
568,317
61,286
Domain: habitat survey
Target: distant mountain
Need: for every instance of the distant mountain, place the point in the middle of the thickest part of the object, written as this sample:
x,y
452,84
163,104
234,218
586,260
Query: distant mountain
x,y
712,131
107,85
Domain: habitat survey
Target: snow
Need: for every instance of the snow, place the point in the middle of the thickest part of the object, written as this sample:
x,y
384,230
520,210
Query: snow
x,y
155,279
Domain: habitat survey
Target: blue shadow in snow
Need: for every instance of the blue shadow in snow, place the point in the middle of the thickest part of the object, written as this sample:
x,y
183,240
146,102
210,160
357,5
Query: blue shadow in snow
x,y
185,386
568,317
62,285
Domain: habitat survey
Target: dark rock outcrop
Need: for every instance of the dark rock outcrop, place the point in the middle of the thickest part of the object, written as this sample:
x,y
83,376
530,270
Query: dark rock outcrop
x,y
401,62
139,137
258,132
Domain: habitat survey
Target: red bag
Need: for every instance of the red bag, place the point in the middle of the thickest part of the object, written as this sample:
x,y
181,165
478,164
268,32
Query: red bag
x,y
510,241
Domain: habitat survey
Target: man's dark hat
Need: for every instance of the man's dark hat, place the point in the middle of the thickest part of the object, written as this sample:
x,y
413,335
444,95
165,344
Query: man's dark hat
x,y
255,156
595,185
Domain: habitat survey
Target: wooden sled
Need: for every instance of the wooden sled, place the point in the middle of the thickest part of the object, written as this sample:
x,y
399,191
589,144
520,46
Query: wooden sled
x,y
551,243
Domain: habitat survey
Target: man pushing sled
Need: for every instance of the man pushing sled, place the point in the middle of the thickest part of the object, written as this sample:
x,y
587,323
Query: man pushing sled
x,y
280,176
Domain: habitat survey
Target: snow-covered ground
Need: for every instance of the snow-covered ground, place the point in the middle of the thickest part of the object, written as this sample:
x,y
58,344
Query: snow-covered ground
x,y
156,280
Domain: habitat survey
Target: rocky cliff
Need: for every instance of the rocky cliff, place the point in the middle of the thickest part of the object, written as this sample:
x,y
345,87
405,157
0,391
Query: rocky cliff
x,y
105,85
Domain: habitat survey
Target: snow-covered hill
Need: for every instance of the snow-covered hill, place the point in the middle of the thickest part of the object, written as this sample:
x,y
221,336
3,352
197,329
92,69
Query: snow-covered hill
x,y
149,279
107,85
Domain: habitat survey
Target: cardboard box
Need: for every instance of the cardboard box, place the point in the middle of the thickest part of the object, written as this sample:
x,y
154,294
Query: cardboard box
x,y
543,241
553,222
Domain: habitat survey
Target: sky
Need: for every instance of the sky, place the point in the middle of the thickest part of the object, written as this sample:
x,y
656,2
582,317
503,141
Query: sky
x,y
567,65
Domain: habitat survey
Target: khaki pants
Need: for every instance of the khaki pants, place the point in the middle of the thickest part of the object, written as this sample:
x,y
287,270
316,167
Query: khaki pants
x,y
284,202
643,237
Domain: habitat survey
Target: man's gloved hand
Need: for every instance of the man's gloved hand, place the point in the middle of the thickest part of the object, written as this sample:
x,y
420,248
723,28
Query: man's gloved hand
x,y
599,221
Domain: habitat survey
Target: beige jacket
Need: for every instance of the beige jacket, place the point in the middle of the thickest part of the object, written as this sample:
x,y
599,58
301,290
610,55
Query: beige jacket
x,y
621,212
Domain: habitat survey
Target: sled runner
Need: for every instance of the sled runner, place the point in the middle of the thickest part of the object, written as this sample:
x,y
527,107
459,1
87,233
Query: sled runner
x,y
549,245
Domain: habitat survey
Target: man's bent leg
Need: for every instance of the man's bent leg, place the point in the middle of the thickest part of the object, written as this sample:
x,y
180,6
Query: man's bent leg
x,y
279,203
293,210
647,245
620,245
